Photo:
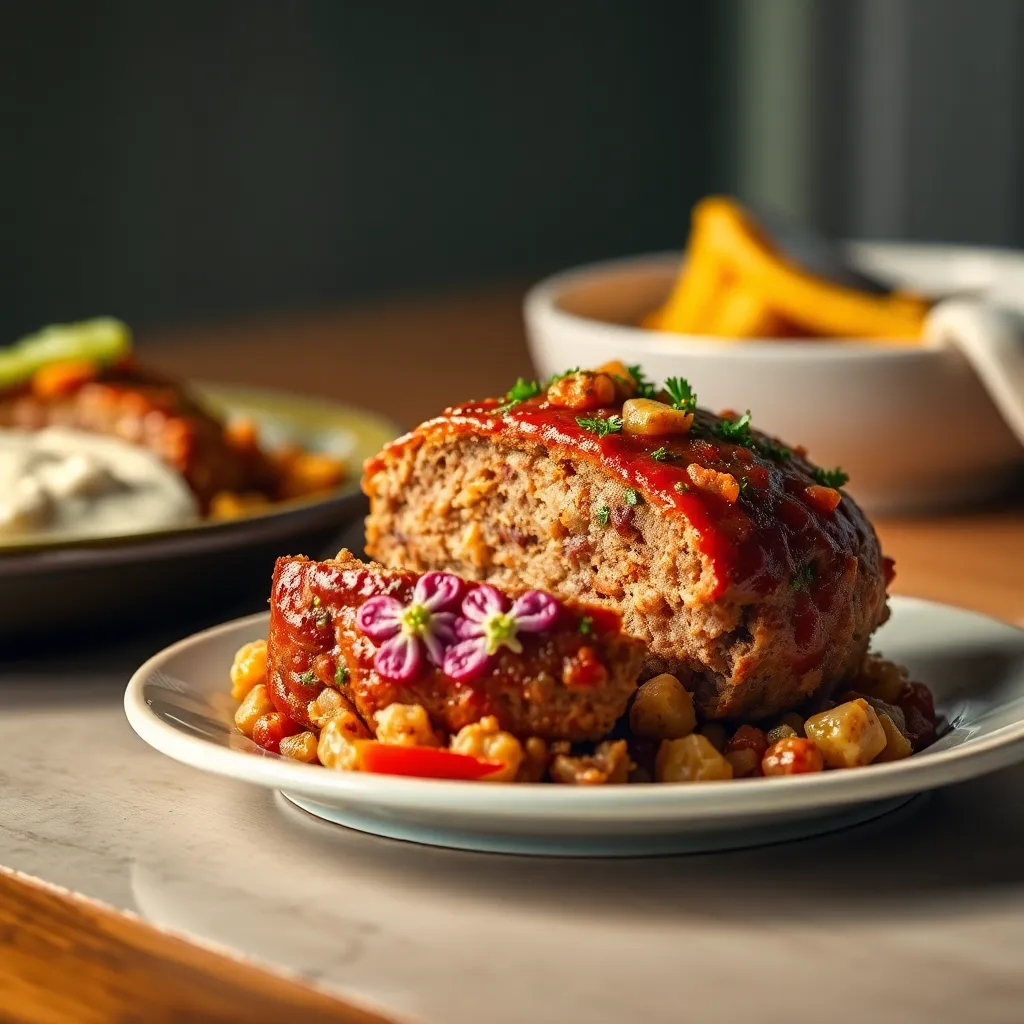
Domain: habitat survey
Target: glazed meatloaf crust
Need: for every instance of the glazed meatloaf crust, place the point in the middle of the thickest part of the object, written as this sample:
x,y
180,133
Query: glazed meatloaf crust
x,y
571,679
727,553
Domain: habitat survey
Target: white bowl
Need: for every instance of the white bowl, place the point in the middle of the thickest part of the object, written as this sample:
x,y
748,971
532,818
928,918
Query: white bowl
x,y
912,425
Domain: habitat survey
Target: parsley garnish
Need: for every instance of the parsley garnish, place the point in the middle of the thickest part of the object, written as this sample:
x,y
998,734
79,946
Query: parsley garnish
x,y
773,450
681,486
661,454
683,396
560,376
341,675
803,577
601,427
520,392
644,388
602,515
586,625
323,620
632,496
737,431
308,678
830,477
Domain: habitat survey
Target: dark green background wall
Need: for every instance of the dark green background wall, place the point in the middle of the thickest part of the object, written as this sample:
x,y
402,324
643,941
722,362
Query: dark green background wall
x,y
172,161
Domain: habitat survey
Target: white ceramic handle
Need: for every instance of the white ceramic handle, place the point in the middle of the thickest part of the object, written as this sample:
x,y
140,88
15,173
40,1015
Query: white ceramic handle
x,y
992,339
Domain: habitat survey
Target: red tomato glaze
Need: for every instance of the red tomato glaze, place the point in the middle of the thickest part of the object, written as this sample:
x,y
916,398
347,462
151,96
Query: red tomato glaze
x,y
778,533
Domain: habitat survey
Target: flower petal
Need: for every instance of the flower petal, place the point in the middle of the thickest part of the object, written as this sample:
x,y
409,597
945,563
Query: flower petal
x,y
379,618
443,626
535,611
438,591
466,660
466,629
399,659
483,601
440,636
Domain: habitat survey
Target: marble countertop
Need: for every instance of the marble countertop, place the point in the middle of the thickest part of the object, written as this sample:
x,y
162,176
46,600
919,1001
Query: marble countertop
x,y
918,916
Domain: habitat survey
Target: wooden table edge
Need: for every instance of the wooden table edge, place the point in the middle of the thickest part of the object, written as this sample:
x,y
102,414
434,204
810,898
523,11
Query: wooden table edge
x,y
65,956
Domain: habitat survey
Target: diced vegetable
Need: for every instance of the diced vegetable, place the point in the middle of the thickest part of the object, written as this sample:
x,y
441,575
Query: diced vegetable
x,y
650,418
748,737
271,728
422,762
793,755
405,725
691,759
780,732
897,746
583,391
301,747
794,721
880,678
745,762
255,705
662,709
849,735
488,742
249,668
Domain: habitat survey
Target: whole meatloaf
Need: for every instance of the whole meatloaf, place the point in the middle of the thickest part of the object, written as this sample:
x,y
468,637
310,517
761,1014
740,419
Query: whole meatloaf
x,y
744,568
554,670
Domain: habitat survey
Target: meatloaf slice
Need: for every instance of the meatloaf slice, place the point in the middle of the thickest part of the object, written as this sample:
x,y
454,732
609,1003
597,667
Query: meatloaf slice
x,y
571,680
745,576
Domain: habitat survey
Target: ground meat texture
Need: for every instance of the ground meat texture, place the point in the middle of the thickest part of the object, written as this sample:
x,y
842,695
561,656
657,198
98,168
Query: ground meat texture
x,y
145,409
569,683
753,603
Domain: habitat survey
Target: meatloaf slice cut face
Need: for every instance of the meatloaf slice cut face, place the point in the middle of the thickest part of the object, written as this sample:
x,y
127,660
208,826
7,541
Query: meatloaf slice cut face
x,y
554,669
728,554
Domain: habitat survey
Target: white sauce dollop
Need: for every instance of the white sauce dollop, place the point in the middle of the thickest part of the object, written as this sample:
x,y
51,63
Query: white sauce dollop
x,y
58,483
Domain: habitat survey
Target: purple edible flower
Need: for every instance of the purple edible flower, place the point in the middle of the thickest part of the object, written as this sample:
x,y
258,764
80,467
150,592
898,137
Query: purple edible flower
x,y
488,625
403,631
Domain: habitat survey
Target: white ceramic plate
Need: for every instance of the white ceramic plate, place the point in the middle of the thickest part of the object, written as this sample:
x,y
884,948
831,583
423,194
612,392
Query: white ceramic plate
x,y
178,702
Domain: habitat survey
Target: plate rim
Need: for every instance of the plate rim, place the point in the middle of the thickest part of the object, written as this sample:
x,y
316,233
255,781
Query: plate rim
x,y
710,800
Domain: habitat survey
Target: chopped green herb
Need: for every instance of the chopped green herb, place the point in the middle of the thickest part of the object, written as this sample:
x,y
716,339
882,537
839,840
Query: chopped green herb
x,y
316,601
323,621
803,577
596,425
632,496
341,674
520,392
683,396
586,625
773,450
830,477
644,388
602,515
681,486
661,454
744,485
561,376
737,431
308,678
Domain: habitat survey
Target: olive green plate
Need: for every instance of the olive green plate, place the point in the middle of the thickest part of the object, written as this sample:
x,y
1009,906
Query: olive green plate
x,y
100,583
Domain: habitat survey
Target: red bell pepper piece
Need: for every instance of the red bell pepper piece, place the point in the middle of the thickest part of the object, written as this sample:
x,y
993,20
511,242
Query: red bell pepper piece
x,y
422,762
